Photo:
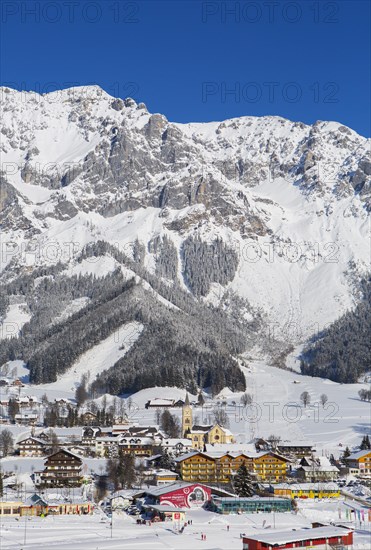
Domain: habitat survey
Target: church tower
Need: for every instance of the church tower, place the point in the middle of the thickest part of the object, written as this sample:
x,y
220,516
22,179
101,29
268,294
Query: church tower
x,y
187,420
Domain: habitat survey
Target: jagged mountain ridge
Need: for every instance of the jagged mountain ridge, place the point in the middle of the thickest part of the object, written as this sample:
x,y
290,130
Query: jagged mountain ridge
x,y
272,211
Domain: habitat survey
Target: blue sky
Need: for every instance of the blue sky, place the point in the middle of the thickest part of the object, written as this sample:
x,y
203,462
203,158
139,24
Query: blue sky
x,y
199,61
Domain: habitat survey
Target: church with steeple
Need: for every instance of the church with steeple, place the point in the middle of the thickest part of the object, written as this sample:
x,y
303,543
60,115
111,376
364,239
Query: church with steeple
x,y
187,417
202,434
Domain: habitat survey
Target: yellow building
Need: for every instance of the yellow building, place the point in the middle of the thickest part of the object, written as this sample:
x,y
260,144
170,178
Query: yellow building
x,y
307,490
270,467
10,508
360,463
220,467
218,434
200,435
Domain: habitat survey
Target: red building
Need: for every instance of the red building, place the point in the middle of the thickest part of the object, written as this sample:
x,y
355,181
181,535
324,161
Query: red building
x,y
181,495
320,538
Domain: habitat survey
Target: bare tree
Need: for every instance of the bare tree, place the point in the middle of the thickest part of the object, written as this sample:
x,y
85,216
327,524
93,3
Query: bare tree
x,y
323,399
122,409
104,401
246,399
5,369
6,442
305,398
44,399
53,443
274,440
158,416
365,395
221,417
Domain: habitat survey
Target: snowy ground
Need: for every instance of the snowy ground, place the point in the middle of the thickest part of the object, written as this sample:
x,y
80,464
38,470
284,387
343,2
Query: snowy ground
x,y
276,408
94,532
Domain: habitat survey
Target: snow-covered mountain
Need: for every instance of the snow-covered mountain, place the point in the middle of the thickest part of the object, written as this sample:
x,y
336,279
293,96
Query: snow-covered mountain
x,y
271,212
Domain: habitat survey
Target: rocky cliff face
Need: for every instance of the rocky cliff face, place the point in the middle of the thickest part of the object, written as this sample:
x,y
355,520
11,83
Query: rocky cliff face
x,y
273,211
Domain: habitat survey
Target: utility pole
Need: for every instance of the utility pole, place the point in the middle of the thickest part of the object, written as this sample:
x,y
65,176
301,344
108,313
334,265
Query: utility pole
x,y
25,529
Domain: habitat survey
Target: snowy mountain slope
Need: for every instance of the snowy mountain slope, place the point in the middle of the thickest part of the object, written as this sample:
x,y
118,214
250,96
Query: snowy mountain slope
x,y
100,357
289,201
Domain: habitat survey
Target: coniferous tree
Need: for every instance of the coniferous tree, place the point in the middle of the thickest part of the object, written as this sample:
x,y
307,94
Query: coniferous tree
x,y
165,462
13,409
242,482
342,351
170,424
346,452
101,487
200,399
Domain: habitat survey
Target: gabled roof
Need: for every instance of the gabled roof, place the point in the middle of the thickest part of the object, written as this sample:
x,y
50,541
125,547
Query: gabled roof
x,y
187,455
174,441
35,500
247,448
214,455
39,441
63,450
322,486
295,444
360,454
298,535
165,473
316,469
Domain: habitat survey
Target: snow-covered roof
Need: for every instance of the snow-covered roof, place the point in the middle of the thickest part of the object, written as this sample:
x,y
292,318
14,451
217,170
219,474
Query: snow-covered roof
x,y
252,499
317,468
231,447
360,454
299,535
63,449
173,441
186,455
134,440
329,486
295,444
35,439
161,402
164,473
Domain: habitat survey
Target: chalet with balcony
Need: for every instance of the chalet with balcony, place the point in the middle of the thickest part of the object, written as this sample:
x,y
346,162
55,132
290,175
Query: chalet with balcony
x,y
62,469
26,418
139,446
32,446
